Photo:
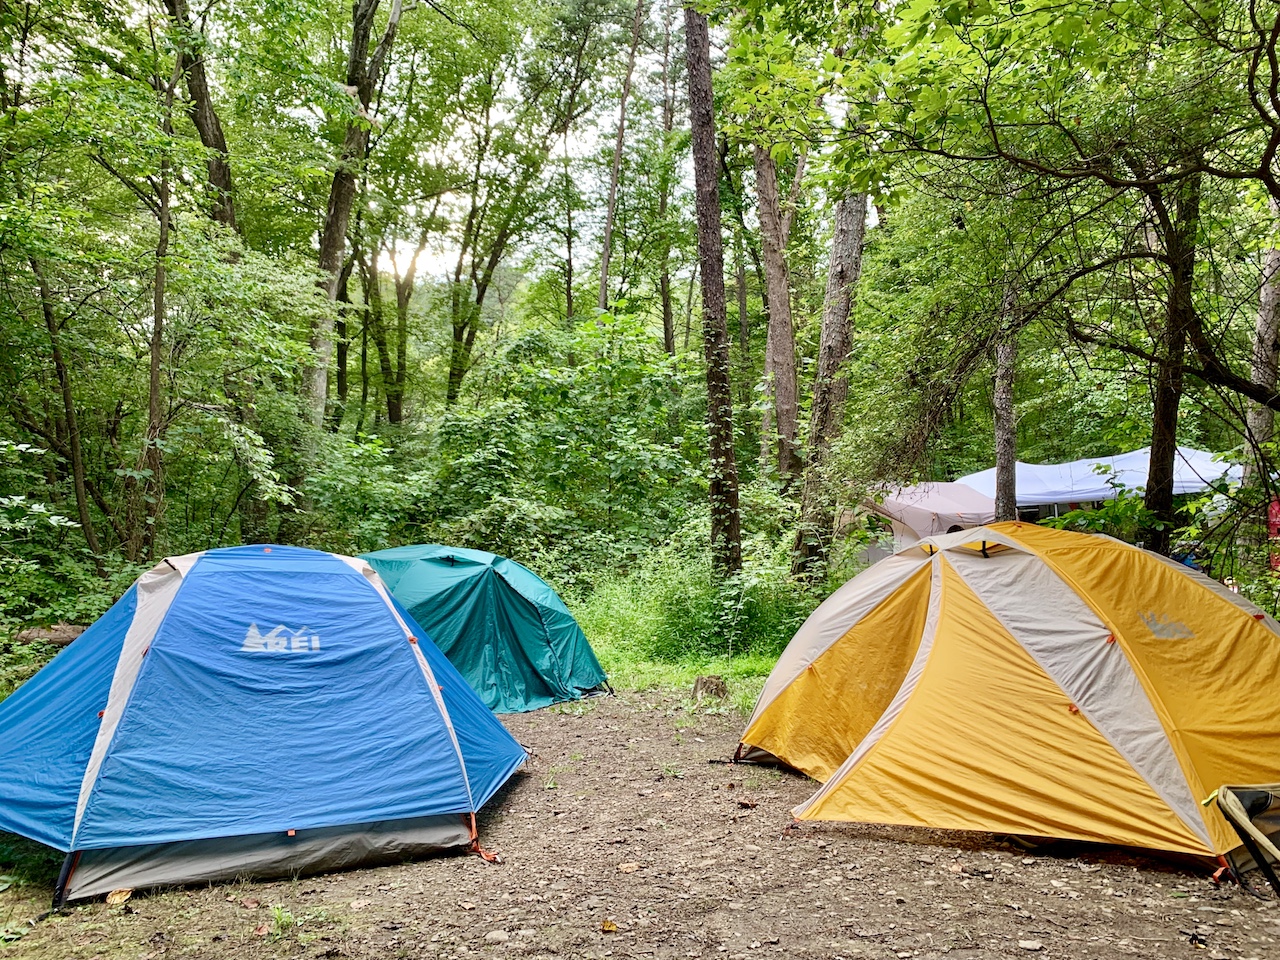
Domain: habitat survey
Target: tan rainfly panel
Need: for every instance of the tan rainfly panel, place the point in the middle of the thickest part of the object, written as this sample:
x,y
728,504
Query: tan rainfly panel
x,y
834,618
814,723
987,741
1208,666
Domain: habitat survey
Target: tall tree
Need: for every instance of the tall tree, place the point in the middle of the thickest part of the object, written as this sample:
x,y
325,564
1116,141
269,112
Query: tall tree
x,y
780,357
1006,427
1265,363
830,386
191,64
606,250
726,529
364,73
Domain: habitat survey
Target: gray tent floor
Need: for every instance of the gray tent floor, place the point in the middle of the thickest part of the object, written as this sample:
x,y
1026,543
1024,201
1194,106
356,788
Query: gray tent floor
x,y
621,839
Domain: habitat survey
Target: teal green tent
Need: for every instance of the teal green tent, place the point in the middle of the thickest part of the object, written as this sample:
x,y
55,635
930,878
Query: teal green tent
x,y
500,624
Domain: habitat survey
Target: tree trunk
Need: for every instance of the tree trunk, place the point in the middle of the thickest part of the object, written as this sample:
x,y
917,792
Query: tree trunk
x,y
1180,245
726,534
616,169
568,237
664,189
830,387
780,360
153,508
72,422
191,64
1260,420
343,345
1005,423
363,75
378,327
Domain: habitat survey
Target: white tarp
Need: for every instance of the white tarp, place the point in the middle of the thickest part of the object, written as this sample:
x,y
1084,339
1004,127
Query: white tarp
x,y
1082,481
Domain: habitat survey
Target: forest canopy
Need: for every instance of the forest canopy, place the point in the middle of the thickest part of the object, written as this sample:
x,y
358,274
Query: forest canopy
x,y
649,298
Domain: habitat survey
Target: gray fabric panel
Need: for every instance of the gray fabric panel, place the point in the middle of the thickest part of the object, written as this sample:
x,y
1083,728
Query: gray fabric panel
x,y
264,855
1062,634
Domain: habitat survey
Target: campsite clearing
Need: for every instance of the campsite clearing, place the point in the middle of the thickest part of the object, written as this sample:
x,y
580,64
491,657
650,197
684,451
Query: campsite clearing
x,y
621,839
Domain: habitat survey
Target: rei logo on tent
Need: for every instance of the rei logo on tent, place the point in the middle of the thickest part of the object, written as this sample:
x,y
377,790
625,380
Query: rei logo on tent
x,y
1165,628
280,638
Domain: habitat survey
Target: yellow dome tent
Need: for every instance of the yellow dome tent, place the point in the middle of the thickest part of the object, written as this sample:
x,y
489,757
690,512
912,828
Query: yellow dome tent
x,y
1017,679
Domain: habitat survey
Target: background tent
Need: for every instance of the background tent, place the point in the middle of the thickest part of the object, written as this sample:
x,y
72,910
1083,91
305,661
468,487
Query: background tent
x,y
250,710
500,624
929,508
1094,478
1018,679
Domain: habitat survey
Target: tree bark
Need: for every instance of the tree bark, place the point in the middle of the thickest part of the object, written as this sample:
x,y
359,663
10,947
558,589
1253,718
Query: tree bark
x,y
664,189
780,358
726,533
153,489
364,72
614,172
1179,230
830,387
74,448
201,110
1005,423
1260,419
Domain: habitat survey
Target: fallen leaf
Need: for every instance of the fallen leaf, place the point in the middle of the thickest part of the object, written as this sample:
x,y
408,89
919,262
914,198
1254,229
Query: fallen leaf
x,y
359,904
628,867
608,926
250,904
262,929
117,897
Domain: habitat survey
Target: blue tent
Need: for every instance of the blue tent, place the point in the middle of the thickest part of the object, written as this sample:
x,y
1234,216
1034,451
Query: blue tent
x,y
499,623
250,710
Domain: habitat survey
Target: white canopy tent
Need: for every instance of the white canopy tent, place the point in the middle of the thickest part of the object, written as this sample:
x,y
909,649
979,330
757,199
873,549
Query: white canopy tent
x,y
1096,478
928,509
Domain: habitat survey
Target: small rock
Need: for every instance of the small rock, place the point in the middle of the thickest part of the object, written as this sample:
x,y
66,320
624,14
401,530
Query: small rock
x,y
1034,946
497,936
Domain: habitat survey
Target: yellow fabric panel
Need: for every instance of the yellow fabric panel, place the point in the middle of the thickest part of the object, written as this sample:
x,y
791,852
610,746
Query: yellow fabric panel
x,y
1209,667
988,742
815,723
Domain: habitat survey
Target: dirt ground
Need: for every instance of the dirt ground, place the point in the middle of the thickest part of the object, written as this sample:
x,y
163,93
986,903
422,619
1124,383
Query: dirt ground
x,y
622,839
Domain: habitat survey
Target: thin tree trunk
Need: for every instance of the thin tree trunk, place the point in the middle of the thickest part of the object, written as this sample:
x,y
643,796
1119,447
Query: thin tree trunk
x,y
70,417
154,458
664,187
1260,420
1005,423
1180,244
363,75
726,534
780,362
740,279
568,236
343,344
688,305
830,386
616,169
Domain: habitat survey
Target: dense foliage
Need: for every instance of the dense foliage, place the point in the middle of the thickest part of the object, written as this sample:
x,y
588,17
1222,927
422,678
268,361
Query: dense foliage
x,y
329,273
